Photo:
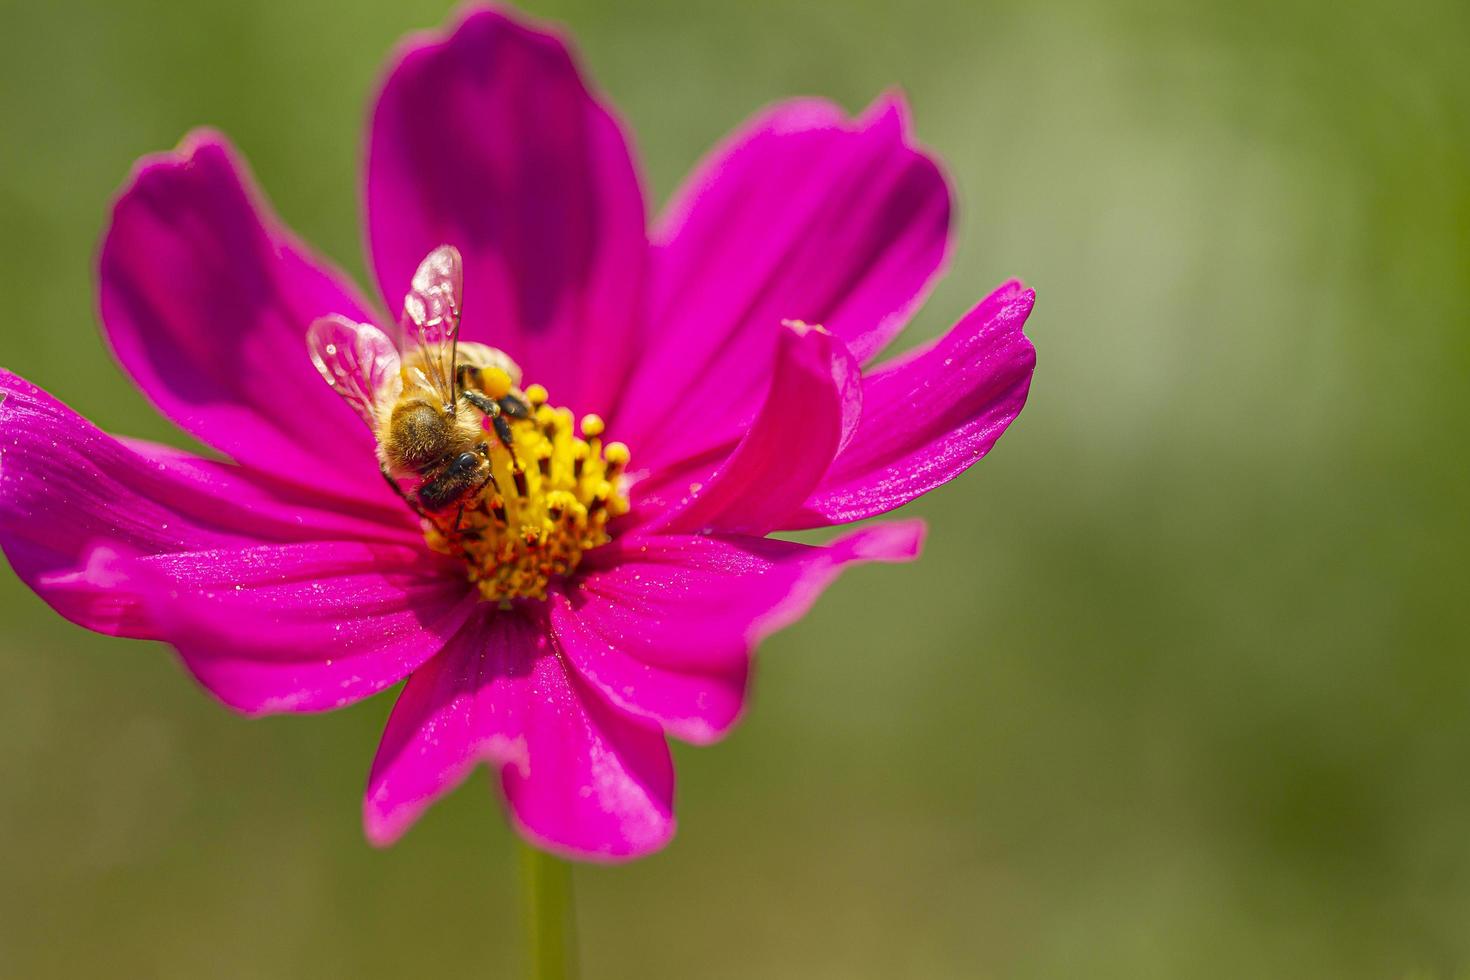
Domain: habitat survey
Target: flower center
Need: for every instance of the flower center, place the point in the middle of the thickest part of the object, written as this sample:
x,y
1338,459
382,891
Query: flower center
x,y
551,498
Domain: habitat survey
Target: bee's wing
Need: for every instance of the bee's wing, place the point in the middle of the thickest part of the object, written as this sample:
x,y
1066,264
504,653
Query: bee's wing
x,y
358,361
430,318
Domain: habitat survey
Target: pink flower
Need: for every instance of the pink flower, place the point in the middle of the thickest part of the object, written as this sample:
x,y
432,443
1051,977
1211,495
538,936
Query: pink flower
x,y
293,579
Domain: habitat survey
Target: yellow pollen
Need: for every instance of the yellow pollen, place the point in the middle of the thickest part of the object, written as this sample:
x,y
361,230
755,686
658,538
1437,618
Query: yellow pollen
x,y
495,382
803,328
547,505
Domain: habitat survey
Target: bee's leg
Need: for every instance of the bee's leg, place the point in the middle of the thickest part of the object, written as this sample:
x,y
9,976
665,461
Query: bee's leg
x,y
413,504
502,432
514,407
481,400
468,377
493,412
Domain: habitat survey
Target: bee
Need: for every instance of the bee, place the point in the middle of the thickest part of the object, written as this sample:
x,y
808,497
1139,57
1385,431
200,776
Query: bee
x,y
426,395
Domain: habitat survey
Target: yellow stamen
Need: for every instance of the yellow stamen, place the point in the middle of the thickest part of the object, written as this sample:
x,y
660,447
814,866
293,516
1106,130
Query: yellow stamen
x,y
549,503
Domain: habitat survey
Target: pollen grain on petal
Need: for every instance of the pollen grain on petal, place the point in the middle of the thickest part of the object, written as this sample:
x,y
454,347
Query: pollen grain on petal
x,y
801,328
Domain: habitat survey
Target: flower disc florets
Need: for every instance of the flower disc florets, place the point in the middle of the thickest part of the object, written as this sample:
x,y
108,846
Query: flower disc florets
x,y
552,496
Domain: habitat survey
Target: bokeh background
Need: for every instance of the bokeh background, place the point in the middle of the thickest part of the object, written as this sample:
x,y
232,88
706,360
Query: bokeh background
x,y
1182,685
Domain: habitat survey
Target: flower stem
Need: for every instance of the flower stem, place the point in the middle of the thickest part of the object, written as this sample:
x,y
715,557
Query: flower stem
x,y
550,934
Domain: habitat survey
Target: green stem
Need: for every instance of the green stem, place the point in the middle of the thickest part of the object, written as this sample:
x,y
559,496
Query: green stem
x,y
550,934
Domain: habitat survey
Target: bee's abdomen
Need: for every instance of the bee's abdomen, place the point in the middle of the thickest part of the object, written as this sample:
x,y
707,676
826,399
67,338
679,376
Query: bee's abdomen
x,y
418,437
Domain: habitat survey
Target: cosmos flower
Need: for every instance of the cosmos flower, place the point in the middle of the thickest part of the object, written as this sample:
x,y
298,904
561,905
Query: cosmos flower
x,y
292,578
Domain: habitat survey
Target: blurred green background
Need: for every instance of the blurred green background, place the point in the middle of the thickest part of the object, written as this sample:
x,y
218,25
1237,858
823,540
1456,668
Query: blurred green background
x,y
1182,685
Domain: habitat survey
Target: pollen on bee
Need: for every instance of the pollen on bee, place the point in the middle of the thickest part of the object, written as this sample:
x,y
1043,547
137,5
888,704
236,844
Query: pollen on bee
x,y
550,501
495,382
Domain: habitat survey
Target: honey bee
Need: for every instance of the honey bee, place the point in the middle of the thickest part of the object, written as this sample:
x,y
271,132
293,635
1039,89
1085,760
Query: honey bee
x,y
425,395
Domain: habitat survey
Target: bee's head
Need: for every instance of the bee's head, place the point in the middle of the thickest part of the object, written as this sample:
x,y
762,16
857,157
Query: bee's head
x,y
464,476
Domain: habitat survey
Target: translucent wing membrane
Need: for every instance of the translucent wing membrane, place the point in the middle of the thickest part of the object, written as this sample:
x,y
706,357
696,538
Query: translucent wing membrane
x,y
358,361
430,321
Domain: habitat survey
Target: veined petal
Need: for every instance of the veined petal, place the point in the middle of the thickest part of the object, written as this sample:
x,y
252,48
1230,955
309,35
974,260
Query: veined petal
x,y
801,215
489,140
598,785
67,488
929,416
464,707
301,627
276,509
810,410
664,627
206,301
580,778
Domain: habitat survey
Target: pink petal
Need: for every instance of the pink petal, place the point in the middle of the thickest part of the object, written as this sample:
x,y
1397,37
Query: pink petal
x,y
489,140
301,627
67,488
275,509
801,215
664,627
580,778
810,410
466,706
598,785
929,416
206,300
